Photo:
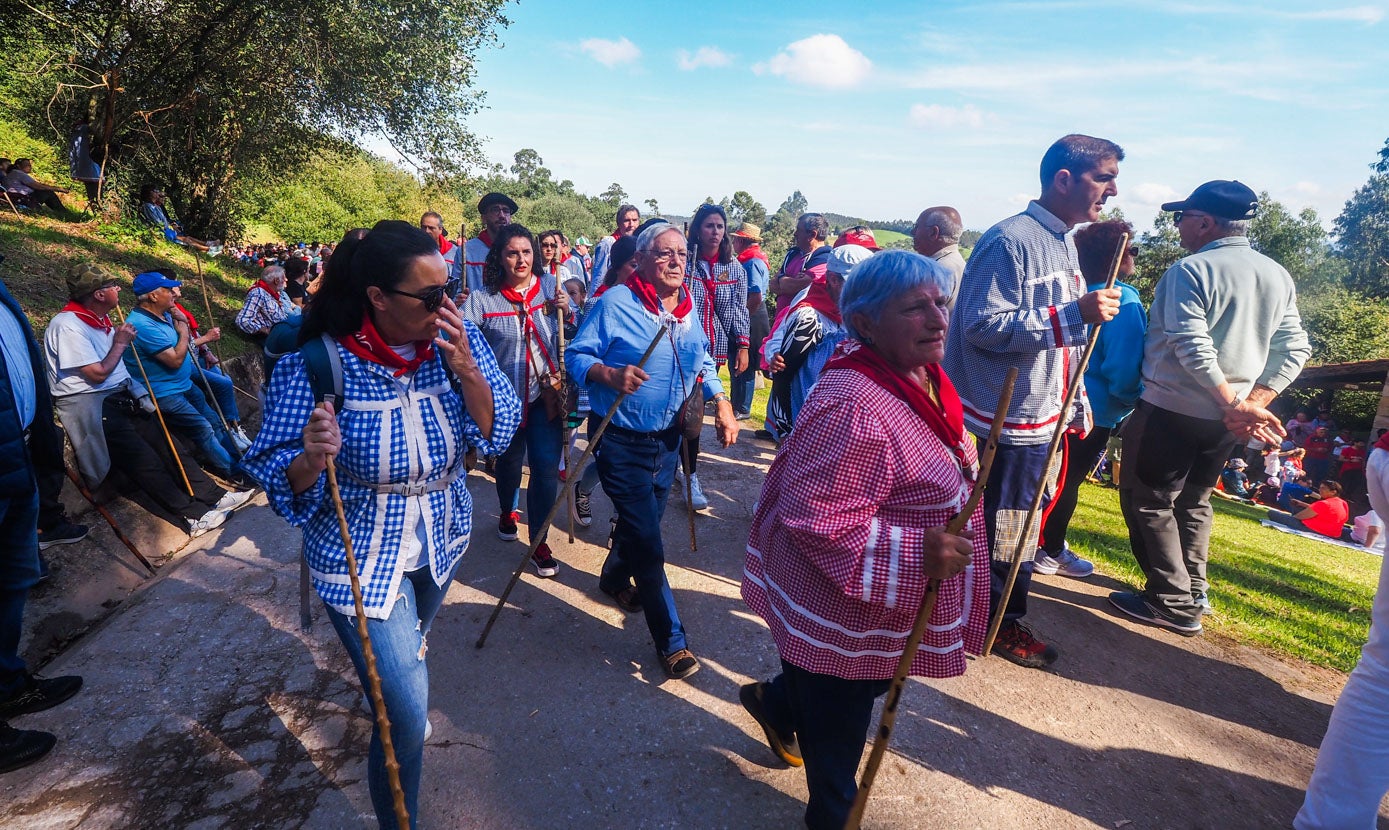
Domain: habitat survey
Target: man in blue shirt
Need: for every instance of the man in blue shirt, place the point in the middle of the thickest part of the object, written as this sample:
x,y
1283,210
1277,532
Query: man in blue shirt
x,y
161,356
25,411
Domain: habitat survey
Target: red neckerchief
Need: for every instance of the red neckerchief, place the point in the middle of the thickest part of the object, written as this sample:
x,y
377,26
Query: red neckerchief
x,y
267,289
818,298
646,292
445,246
1383,442
707,316
485,238
102,323
599,292
753,251
617,235
946,420
526,306
368,345
192,324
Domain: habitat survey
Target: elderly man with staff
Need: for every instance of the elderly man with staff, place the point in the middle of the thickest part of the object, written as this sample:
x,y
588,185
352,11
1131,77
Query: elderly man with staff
x,y
418,385
637,456
851,527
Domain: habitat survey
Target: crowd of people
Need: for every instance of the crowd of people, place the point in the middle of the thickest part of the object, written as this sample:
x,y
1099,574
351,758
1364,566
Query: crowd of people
x,y
886,367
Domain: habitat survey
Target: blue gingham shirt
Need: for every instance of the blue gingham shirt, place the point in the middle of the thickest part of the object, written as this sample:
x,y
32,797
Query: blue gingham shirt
x,y
411,430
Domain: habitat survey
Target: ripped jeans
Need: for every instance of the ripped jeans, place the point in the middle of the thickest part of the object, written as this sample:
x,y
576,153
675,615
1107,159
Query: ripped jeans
x,y
399,645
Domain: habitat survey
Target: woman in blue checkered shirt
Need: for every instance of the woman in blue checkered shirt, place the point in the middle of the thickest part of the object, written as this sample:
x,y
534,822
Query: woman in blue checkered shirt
x,y
419,386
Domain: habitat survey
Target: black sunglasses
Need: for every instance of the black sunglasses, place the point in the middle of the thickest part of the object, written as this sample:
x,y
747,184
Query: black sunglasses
x,y
434,297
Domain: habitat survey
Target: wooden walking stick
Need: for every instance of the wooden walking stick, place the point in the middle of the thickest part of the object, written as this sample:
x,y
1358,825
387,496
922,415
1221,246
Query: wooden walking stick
x,y
86,494
928,607
569,482
1057,434
378,701
157,411
535,543
687,461
215,405
207,301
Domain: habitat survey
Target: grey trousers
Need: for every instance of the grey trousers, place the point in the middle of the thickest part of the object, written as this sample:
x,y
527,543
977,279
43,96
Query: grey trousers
x,y
1171,464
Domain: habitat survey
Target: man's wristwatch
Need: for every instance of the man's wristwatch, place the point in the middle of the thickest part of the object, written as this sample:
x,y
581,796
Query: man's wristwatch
x,y
1234,402
720,397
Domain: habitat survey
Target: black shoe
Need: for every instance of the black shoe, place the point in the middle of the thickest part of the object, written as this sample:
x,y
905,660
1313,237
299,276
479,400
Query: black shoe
x,y
64,533
679,665
625,598
38,694
22,747
784,746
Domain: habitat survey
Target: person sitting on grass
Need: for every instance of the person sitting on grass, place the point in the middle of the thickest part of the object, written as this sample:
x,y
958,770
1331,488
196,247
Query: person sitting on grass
x,y
19,178
1299,487
152,211
1233,477
1326,515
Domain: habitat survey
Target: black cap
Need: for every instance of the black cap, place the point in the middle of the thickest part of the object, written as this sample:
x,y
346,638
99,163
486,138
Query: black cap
x,y
496,199
1221,199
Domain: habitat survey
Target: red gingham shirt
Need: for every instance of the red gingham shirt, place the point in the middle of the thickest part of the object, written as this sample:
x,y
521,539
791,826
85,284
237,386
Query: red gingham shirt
x,y
834,561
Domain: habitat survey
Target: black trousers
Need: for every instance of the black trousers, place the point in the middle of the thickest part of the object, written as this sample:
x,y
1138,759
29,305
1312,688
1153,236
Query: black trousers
x,y
1078,457
1171,464
141,452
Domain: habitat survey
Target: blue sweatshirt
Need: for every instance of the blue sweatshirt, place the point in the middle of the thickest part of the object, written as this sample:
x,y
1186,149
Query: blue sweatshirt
x,y
1114,375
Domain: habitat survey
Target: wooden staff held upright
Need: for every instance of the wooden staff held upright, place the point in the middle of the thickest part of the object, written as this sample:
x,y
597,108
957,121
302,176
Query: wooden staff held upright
x,y
1056,436
157,411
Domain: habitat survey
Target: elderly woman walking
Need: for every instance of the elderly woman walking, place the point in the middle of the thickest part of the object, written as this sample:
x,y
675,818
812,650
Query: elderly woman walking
x,y
419,385
718,288
516,311
267,303
637,455
850,528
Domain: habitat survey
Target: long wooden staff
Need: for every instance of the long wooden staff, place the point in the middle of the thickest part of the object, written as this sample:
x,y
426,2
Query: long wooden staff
x,y
86,494
207,302
211,394
378,701
535,543
928,607
569,482
686,457
157,411
1056,436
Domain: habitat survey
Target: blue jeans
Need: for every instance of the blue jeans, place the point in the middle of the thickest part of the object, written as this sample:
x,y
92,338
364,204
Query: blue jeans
x,y
540,442
830,716
399,645
1011,487
189,415
637,470
19,571
221,387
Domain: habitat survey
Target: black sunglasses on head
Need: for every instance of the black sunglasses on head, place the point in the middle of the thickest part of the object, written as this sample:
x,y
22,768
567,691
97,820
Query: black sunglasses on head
x,y
434,297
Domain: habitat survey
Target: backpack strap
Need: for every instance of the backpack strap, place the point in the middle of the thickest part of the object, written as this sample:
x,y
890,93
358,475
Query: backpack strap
x,y
324,365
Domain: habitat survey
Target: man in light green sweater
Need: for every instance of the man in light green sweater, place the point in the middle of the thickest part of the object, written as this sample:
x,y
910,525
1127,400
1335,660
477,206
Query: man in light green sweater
x,y
1224,339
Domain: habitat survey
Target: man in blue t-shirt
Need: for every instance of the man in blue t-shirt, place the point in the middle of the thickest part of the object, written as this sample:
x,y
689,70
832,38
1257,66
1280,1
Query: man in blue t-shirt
x,y
160,356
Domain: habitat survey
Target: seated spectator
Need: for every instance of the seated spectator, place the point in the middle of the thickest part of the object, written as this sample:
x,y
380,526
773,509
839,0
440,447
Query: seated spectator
x,y
208,376
152,211
1368,531
162,351
1294,489
19,179
1234,479
5,165
108,416
297,281
267,303
1327,515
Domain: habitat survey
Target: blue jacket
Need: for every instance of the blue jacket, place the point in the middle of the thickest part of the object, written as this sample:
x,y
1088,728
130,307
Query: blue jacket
x,y
16,462
1114,376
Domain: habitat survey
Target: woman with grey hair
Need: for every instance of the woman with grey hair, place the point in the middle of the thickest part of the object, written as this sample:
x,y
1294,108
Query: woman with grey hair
x,y
850,527
267,303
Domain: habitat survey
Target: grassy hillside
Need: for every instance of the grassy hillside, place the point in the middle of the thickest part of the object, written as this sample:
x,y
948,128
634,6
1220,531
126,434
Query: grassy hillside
x,y
39,251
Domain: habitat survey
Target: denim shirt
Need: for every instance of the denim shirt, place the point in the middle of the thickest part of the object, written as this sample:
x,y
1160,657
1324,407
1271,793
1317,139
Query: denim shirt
x,y
616,333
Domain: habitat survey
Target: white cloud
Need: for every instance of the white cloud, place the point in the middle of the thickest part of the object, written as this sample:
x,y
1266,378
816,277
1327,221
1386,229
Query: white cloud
x,y
611,53
1152,193
711,56
820,60
1355,14
938,116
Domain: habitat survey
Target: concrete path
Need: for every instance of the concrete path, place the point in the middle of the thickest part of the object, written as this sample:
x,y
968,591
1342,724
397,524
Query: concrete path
x,y
206,707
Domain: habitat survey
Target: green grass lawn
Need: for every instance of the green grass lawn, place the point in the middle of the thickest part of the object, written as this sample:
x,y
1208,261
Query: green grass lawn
x,y
759,400
1291,595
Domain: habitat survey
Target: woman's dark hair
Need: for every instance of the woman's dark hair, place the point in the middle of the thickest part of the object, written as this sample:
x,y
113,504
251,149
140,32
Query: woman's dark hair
x,y
146,190
621,251
696,225
492,273
1333,486
381,257
296,268
1095,244
559,244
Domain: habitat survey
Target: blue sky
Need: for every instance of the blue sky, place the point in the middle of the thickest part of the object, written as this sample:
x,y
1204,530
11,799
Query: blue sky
x,y
883,110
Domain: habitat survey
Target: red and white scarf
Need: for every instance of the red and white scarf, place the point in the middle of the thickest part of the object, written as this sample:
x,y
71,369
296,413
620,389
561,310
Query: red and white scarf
x,y
368,344
102,323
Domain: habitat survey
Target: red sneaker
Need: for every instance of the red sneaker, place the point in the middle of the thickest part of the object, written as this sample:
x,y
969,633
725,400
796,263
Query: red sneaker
x,y
544,561
506,526
1017,644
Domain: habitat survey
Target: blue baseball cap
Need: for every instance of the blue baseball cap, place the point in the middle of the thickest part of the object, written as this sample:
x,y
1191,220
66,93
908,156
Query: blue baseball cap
x,y
150,280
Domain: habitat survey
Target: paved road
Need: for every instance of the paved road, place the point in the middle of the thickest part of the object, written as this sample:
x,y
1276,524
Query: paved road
x,y
206,707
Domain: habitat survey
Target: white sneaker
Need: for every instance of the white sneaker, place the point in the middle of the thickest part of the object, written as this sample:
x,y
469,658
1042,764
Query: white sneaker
x,y
428,730
210,520
240,439
697,498
233,499
1065,563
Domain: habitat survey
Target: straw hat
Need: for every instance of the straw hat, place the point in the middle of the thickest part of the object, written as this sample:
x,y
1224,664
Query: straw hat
x,y
748,231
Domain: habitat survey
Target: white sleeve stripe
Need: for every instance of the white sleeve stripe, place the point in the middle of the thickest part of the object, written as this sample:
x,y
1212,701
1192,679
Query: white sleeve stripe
x,y
868,553
893,564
